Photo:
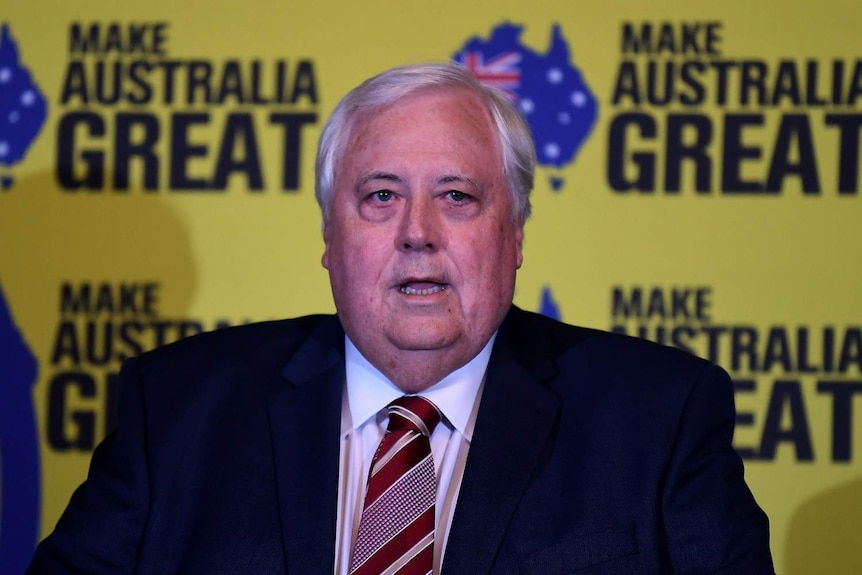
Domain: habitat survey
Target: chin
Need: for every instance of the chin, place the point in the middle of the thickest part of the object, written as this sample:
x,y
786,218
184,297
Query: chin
x,y
418,337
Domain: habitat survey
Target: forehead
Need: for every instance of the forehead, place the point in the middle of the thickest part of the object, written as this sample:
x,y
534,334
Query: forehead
x,y
431,123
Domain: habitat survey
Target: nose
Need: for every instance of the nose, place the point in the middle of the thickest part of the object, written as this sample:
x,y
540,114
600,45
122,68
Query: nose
x,y
420,226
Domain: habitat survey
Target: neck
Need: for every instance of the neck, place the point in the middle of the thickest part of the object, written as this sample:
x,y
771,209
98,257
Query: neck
x,y
416,371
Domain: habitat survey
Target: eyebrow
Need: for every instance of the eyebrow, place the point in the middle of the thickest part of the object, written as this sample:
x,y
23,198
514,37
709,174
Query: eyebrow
x,y
459,178
387,176
395,178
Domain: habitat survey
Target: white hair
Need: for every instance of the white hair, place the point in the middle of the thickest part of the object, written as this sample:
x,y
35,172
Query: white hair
x,y
516,142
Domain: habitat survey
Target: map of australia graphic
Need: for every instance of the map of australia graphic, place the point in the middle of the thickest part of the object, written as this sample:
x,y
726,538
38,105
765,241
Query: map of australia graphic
x,y
19,448
22,106
22,114
548,89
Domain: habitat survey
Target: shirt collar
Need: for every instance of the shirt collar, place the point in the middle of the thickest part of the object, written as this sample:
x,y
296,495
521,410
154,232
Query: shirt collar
x,y
369,391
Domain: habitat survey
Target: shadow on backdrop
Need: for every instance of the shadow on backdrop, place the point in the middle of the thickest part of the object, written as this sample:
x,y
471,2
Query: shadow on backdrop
x,y
825,534
48,237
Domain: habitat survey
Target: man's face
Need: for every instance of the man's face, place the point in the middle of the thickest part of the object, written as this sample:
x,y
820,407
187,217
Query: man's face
x,y
421,247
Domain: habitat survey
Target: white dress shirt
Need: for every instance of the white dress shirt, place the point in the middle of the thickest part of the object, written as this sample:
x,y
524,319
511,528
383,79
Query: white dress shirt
x,y
363,423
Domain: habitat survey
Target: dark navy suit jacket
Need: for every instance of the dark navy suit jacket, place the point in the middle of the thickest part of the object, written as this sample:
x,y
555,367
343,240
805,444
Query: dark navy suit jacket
x,y
592,453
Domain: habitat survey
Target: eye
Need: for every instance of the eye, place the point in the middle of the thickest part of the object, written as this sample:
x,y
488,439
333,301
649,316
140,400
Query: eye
x,y
458,196
382,196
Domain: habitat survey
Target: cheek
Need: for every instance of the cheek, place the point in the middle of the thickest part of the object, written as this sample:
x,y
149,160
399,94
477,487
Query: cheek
x,y
337,259
483,267
359,261
497,262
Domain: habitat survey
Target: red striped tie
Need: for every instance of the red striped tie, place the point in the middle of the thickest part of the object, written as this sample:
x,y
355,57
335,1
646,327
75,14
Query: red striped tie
x,y
396,532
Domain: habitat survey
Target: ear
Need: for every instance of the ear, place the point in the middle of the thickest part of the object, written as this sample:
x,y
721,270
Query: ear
x,y
519,241
324,260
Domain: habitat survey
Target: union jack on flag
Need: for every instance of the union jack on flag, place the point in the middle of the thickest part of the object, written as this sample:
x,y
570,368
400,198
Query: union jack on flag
x,y
501,71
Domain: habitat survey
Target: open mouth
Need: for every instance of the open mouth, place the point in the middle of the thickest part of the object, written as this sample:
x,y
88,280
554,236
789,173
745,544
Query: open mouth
x,y
422,288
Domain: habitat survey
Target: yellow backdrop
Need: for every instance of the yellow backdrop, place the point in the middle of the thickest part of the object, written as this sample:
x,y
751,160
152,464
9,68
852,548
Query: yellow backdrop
x,y
711,203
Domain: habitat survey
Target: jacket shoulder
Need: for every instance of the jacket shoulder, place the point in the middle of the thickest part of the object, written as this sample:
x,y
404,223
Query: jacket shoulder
x,y
237,352
599,352
241,338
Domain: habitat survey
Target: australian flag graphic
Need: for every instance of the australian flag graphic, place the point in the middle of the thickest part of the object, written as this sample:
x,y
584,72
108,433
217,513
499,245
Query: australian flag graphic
x,y
548,89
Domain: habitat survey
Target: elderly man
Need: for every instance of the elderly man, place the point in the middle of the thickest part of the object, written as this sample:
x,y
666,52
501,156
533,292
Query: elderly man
x,y
522,446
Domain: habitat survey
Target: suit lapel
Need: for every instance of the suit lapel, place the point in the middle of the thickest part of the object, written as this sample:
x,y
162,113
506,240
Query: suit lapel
x,y
513,426
305,423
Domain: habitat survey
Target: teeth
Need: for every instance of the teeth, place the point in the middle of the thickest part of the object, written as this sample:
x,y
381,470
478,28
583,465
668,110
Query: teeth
x,y
413,291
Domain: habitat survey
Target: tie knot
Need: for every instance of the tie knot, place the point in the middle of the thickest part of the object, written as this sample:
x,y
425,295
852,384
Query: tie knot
x,y
414,413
